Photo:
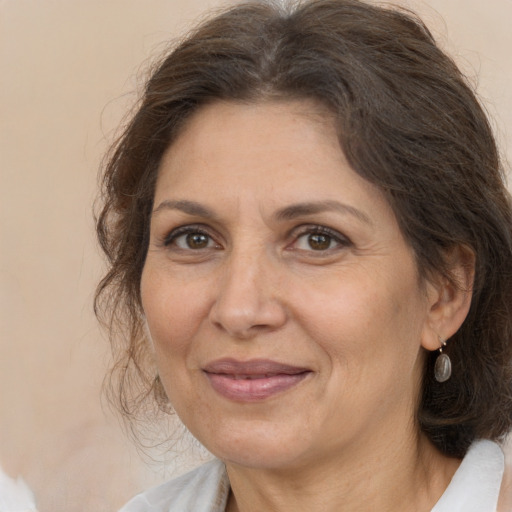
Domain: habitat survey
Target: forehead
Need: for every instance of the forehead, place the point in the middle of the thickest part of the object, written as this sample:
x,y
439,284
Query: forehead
x,y
215,126
294,142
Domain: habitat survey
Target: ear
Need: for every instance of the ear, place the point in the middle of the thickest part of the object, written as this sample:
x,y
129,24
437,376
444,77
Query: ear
x,y
449,300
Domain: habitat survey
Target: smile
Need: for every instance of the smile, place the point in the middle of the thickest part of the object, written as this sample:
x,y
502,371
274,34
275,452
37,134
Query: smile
x,y
252,381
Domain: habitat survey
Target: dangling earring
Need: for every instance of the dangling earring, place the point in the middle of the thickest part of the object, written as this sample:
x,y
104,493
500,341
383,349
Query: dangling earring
x,y
161,396
443,366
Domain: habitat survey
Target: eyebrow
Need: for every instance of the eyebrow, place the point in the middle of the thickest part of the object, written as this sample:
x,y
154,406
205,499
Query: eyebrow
x,y
284,214
310,208
188,207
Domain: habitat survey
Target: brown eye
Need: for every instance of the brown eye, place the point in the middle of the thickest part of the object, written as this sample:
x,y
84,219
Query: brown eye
x,y
190,238
319,241
197,240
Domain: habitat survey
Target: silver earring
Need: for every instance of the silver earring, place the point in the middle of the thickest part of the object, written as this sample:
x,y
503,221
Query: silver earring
x,y
443,366
161,396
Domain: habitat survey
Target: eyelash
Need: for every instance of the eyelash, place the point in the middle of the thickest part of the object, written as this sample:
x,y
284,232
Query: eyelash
x,y
309,230
175,234
297,234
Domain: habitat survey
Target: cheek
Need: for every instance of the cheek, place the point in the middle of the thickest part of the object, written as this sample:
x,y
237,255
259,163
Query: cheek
x,y
173,316
366,321
173,311
345,308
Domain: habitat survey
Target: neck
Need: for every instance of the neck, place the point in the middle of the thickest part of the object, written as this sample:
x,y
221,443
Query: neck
x,y
409,476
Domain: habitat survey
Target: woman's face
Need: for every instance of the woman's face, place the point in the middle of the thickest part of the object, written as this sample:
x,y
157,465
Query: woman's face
x,y
284,306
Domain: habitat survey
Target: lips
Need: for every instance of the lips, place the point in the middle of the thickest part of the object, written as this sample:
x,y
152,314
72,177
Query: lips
x,y
254,380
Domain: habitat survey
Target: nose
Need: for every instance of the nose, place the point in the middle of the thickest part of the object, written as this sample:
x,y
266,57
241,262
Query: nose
x,y
248,301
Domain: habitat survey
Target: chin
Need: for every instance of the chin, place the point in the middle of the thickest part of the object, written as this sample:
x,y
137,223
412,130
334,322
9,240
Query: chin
x,y
258,445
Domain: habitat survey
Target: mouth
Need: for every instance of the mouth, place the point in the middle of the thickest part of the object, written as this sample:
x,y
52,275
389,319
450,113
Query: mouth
x,y
254,380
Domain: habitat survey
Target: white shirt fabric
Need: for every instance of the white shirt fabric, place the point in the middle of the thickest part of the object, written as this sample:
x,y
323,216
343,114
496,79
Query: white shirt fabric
x,y
15,496
475,487
205,489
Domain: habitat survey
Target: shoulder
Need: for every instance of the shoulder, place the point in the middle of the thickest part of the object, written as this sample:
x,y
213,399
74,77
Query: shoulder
x,y
205,489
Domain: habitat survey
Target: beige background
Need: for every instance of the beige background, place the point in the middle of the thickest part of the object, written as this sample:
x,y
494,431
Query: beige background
x,y
68,72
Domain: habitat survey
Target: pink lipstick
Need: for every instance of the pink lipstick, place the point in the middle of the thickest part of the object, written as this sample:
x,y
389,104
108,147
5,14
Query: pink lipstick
x,y
254,380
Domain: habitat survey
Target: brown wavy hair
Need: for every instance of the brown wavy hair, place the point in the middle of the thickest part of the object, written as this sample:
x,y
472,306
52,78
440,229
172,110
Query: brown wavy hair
x,y
408,122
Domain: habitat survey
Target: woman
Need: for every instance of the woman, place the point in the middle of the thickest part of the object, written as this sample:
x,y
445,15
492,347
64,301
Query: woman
x,y
311,256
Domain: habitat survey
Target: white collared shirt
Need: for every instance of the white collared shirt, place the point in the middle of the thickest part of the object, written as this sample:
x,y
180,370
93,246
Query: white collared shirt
x,y
475,487
15,496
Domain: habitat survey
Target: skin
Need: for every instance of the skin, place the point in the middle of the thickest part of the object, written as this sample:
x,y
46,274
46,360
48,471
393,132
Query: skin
x,y
248,279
